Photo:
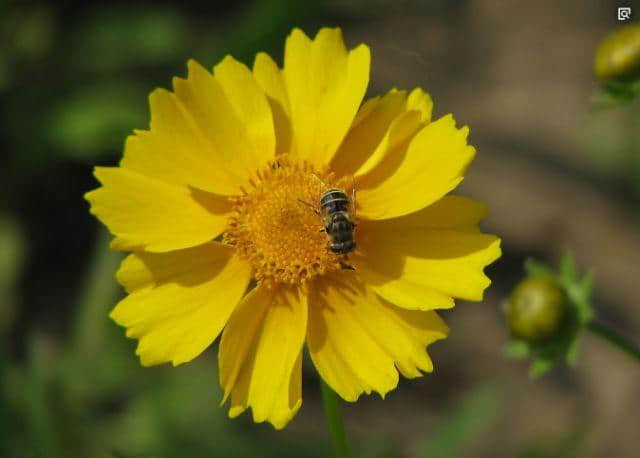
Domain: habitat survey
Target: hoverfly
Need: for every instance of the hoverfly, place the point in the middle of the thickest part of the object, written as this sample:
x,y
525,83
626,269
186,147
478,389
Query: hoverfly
x,y
338,215
338,220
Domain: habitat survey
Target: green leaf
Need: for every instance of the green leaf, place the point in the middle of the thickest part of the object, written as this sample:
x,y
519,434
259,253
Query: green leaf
x,y
517,349
587,285
615,94
567,268
535,268
540,366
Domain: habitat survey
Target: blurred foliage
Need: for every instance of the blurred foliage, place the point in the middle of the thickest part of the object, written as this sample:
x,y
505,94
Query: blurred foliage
x,y
122,38
471,415
563,345
99,115
611,141
107,61
12,257
566,444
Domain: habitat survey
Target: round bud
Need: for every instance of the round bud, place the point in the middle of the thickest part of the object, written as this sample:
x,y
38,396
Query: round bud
x,y
535,309
618,55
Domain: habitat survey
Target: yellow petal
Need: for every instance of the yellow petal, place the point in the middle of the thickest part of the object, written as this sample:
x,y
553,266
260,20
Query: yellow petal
x,y
382,125
401,291
235,127
422,262
414,177
260,355
179,301
368,107
400,131
451,212
145,213
325,85
367,132
249,104
422,102
175,151
271,80
357,340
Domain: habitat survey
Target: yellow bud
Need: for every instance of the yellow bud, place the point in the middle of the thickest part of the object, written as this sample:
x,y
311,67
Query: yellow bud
x,y
618,55
535,309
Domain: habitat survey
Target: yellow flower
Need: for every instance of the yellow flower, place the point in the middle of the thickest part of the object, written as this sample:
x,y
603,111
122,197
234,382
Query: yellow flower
x,y
215,198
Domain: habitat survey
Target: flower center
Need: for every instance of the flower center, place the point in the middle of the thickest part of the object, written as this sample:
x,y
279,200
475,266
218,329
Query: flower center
x,y
276,227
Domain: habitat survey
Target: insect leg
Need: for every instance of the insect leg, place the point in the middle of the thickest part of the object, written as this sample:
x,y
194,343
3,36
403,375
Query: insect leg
x,y
346,266
311,206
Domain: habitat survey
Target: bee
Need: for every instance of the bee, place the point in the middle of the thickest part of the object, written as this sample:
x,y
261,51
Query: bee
x,y
338,215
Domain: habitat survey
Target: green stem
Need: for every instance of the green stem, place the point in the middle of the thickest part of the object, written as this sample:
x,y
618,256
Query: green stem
x,y
614,339
336,427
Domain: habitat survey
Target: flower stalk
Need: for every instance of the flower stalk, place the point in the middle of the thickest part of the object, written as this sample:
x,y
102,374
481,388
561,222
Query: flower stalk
x,y
614,339
334,420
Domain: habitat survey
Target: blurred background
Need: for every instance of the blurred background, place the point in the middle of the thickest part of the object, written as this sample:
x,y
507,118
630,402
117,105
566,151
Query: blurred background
x,y
556,174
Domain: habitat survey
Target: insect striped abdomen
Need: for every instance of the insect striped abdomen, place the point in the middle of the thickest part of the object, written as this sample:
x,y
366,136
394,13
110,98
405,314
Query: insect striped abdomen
x,y
339,226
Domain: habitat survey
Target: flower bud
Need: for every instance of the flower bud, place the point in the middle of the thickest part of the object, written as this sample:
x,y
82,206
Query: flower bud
x,y
535,309
618,55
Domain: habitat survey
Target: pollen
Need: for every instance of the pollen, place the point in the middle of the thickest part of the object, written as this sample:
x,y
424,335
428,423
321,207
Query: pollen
x,y
277,227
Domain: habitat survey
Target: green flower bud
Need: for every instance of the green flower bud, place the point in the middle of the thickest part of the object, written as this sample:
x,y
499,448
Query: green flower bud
x,y
535,309
618,55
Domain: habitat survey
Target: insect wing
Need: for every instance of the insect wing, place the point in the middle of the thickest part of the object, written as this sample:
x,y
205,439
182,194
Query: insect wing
x,y
353,203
